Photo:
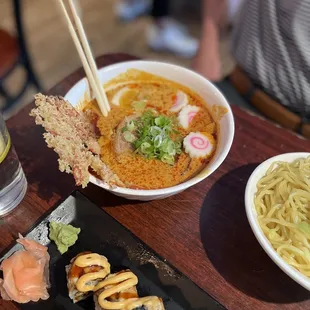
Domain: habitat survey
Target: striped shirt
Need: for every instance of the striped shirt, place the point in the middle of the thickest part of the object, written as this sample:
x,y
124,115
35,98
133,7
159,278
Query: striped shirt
x,y
271,42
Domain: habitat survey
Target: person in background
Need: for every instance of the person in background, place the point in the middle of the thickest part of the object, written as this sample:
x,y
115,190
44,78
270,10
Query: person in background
x,y
164,33
270,42
217,15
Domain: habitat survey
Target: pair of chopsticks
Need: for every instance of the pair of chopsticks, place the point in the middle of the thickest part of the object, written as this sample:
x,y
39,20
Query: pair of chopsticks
x,y
83,48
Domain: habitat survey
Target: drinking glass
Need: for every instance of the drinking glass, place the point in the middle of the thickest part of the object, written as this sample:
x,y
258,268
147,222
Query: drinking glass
x,y
13,184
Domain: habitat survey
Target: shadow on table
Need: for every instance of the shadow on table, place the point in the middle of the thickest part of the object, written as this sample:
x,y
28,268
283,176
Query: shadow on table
x,y
232,247
103,198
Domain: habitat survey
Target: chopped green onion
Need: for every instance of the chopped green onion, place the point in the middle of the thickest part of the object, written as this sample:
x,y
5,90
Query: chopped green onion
x,y
129,137
155,131
165,144
162,121
158,141
178,144
131,126
168,159
139,106
171,148
146,148
152,137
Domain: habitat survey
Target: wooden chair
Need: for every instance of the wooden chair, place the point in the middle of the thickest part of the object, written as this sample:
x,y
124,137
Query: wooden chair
x,y
13,53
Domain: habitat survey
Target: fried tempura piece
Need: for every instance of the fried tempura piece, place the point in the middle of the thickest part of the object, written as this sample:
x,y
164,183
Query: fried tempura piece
x,y
72,136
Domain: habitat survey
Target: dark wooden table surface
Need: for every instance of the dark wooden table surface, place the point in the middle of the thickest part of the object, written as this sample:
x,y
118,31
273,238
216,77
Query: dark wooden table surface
x,y
203,231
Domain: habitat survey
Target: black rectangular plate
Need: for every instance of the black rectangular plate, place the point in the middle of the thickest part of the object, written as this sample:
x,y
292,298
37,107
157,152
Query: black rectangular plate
x,y
102,234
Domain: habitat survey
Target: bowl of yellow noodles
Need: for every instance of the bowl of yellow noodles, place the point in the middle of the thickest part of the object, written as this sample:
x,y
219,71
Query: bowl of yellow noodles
x,y
277,201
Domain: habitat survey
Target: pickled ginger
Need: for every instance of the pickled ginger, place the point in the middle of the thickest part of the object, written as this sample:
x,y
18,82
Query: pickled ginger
x,y
26,273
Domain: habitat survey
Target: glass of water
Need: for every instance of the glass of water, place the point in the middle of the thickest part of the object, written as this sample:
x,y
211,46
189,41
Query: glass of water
x,y
13,184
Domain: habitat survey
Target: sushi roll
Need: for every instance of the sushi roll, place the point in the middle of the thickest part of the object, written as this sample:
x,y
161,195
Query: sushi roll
x,y
84,272
118,291
146,303
115,290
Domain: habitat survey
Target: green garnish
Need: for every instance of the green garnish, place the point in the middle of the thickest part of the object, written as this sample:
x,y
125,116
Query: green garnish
x,y
151,135
131,126
64,235
129,137
139,106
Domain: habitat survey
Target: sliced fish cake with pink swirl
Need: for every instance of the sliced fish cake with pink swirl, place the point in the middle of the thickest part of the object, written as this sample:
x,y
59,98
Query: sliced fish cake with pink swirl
x,y
187,115
198,144
180,101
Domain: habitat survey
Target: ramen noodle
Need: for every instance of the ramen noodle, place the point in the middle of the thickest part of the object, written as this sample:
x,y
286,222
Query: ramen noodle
x,y
282,206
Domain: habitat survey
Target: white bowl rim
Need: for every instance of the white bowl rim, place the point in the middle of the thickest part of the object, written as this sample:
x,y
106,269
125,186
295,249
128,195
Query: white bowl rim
x,y
195,179
252,218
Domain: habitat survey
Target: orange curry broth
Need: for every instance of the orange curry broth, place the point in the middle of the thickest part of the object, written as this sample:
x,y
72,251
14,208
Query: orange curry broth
x,y
134,170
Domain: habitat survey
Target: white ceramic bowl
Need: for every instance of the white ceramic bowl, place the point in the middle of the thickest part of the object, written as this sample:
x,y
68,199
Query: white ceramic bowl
x,y
183,76
250,191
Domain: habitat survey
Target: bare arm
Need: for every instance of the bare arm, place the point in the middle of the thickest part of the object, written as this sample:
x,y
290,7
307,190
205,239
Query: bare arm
x,y
207,61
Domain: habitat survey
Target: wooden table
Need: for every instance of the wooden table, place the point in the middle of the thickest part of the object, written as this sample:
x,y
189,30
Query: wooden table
x,y
203,231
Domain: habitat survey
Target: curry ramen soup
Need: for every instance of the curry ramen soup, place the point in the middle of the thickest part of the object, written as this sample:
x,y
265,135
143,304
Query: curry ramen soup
x,y
158,133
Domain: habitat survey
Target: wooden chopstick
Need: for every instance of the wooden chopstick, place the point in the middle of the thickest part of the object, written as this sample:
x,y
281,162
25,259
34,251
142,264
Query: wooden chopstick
x,y
87,60
88,53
